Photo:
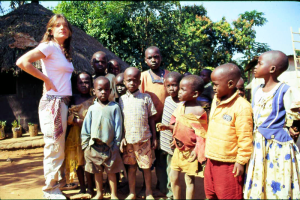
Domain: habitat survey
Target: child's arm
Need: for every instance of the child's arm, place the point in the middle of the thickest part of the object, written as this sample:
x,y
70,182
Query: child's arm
x,y
86,130
118,126
162,127
153,131
244,131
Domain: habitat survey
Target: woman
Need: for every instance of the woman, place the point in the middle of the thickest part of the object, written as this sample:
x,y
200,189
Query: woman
x,y
57,68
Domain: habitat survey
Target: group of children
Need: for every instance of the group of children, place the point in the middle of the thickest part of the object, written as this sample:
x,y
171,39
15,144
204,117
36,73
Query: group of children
x,y
183,124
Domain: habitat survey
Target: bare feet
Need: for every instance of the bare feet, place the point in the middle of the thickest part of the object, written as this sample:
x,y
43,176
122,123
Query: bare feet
x,y
114,197
98,196
131,196
149,197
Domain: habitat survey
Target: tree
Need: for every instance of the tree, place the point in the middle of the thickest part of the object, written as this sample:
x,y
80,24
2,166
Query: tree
x,y
186,36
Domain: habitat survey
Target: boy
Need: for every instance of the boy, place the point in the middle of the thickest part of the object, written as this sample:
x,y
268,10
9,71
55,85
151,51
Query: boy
x,y
99,63
240,87
138,111
229,137
120,87
113,67
152,82
172,85
101,135
189,131
207,95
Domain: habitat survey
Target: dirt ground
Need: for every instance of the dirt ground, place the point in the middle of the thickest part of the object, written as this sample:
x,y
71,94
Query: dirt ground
x,y
22,176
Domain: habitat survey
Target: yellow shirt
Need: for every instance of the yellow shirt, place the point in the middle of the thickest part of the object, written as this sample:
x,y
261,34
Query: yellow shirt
x,y
229,135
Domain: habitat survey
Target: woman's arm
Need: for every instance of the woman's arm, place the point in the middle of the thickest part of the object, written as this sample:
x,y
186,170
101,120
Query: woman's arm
x,y
25,63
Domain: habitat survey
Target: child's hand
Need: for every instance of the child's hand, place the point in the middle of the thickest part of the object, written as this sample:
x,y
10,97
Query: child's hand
x,y
238,169
78,121
123,143
172,144
161,127
193,157
294,132
154,143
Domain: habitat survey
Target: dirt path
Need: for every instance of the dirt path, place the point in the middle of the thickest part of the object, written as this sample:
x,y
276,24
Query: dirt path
x,y
23,177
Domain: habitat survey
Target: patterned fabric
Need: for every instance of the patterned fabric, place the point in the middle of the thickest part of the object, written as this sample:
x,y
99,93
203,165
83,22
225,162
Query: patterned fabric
x,y
139,153
137,108
273,171
74,156
52,103
166,136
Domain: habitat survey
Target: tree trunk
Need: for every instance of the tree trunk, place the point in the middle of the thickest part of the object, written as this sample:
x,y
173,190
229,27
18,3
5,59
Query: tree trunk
x,y
35,1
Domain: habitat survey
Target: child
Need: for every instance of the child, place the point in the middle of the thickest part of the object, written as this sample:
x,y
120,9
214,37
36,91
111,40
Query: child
x,y
138,111
229,136
273,169
73,152
207,95
113,67
101,135
120,87
172,85
240,87
152,83
190,129
99,63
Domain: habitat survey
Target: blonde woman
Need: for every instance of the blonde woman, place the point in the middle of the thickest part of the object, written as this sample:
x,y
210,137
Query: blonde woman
x,y
57,68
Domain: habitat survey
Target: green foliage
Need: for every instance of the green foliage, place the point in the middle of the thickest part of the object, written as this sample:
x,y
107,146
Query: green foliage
x,y
2,124
15,124
186,36
30,124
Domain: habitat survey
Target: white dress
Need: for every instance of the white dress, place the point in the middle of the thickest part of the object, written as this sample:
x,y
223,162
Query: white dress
x,y
273,171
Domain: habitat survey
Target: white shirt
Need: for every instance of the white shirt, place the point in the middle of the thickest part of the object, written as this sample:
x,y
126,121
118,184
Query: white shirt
x,y
57,68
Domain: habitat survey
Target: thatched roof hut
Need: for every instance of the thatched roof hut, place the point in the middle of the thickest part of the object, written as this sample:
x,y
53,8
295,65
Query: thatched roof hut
x,y
22,29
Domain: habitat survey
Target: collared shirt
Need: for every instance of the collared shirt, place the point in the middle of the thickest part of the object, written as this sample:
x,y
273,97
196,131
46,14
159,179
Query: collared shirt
x,y
137,108
156,90
229,135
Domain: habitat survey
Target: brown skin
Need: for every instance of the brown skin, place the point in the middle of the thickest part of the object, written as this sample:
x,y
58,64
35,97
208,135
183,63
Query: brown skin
x,y
114,67
187,94
99,63
240,87
153,60
102,90
172,87
187,73
225,78
121,89
204,74
132,81
269,68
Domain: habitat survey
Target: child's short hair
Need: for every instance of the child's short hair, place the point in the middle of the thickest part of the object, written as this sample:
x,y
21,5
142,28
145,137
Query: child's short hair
x,y
280,60
208,71
177,76
98,52
196,82
101,78
85,72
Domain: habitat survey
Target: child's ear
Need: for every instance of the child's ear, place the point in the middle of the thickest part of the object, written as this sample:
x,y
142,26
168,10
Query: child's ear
x,y
196,94
273,69
93,92
230,83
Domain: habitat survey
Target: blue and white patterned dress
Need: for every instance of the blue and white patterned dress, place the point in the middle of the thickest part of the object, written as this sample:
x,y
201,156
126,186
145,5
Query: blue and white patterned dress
x,y
273,171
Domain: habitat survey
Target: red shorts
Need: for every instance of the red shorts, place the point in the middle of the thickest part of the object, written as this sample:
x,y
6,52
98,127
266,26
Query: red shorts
x,y
219,181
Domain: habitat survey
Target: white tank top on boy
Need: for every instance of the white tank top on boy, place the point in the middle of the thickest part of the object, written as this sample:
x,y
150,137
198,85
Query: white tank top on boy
x,y
56,67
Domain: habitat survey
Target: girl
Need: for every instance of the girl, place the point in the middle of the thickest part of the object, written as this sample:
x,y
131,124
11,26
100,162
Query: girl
x,y
273,169
57,68
77,112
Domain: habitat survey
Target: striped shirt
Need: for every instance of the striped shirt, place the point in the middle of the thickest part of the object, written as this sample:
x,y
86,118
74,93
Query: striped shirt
x,y
136,109
166,136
